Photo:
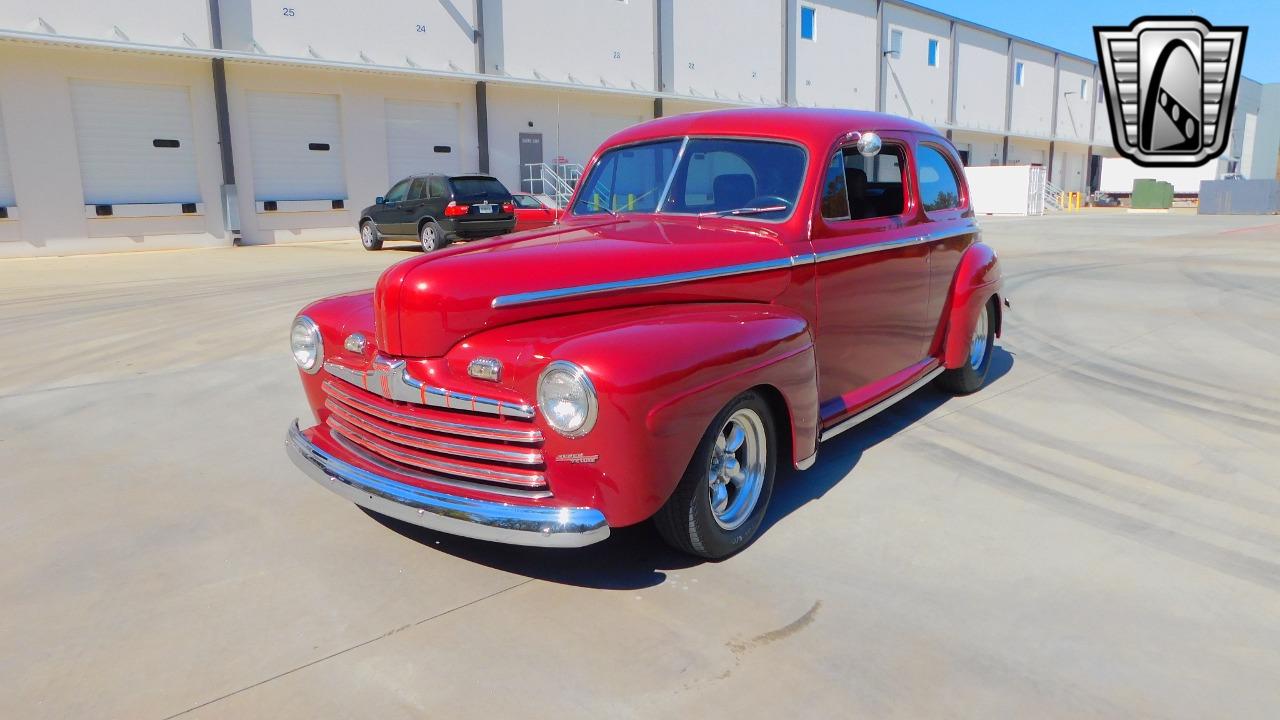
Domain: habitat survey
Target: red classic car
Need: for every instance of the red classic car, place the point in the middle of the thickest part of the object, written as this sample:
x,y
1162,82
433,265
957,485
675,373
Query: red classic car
x,y
532,213
725,290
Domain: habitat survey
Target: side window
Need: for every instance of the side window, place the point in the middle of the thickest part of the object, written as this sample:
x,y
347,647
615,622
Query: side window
x,y
436,187
527,201
835,201
419,189
398,191
939,187
874,184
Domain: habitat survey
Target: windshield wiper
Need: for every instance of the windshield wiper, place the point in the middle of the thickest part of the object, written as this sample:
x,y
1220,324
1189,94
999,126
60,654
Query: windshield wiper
x,y
742,211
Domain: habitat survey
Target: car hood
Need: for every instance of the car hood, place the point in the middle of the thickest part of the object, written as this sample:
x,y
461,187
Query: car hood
x,y
426,305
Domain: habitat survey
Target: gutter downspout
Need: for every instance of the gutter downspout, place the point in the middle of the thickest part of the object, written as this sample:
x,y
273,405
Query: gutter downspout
x,y
229,198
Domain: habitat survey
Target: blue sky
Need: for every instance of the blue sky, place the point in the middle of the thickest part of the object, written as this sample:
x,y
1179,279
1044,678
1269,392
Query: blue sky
x,y
1069,25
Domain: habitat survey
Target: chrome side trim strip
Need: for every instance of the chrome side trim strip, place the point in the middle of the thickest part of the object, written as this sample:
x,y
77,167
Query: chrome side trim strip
x,y
882,405
896,244
336,392
727,271
540,525
808,462
391,379
652,281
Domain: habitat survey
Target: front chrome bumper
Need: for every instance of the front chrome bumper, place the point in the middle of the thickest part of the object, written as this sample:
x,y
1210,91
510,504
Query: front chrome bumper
x,y
480,519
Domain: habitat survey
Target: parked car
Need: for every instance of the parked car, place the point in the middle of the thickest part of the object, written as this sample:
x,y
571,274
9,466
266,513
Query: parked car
x,y
725,291
532,212
434,209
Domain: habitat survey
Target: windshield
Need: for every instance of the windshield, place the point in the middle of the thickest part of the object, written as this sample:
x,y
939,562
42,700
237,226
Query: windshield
x,y
713,176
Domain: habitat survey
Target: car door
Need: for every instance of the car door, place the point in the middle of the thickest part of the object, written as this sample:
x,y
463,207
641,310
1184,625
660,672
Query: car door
x,y
951,229
387,215
872,277
412,208
438,195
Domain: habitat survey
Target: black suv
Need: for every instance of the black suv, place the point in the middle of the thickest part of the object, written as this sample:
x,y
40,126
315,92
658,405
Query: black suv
x,y
434,209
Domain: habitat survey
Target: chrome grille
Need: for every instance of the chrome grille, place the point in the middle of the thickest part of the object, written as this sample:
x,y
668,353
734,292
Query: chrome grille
x,y
447,444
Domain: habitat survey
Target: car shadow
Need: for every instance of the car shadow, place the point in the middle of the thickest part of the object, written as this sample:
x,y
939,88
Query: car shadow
x,y
635,557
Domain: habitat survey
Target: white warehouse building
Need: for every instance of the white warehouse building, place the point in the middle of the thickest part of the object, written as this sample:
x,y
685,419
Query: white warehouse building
x,y
145,124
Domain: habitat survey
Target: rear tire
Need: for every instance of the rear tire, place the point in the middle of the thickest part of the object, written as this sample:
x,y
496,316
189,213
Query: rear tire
x,y
370,238
720,502
971,376
430,236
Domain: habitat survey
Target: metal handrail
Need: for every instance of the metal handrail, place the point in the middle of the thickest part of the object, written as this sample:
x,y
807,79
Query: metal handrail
x,y
554,180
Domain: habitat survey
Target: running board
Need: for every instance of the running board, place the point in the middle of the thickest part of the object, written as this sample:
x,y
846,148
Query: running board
x,y
870,412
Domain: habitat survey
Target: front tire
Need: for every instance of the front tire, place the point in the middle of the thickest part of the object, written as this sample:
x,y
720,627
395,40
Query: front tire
x,y
370,238
720,502
971,376
431,236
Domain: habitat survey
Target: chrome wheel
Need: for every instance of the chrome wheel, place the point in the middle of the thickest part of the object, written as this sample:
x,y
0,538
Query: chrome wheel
x,y
978,345
430,237
735,474
366,234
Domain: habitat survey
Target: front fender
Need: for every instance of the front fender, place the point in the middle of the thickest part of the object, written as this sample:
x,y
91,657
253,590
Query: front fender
x,y
661,373
977,279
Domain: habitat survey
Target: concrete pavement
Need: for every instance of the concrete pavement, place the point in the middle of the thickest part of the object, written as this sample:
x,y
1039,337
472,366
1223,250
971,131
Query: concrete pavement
x,y
1096,533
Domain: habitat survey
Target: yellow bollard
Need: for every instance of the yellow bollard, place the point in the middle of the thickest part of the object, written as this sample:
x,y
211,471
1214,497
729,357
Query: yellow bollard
x,y
631,201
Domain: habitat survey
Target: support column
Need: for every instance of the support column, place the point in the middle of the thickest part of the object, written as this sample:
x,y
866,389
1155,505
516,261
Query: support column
x,y
228,196
1053,113
482,126
954,78
879,55
1008,101
790,37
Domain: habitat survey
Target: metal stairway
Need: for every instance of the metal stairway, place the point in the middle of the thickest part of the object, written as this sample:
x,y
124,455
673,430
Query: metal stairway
x,y
553,180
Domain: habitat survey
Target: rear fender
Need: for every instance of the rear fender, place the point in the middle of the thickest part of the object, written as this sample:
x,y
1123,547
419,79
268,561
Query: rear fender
x,y
976,281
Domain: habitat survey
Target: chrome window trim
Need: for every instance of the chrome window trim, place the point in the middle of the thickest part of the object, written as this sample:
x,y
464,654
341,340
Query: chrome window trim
x,y
727,271
391,380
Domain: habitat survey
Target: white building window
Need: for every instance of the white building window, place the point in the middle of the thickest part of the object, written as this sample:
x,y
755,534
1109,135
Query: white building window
x,y
933,52
895,42
808,23
1083,88
1018,74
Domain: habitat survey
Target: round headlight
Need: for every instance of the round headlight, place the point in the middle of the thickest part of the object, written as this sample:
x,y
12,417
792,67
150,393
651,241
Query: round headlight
x,y
304,339
566,399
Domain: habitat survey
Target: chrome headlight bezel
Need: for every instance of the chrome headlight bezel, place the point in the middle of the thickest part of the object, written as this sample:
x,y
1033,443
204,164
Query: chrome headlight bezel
x,y
579,376
312,330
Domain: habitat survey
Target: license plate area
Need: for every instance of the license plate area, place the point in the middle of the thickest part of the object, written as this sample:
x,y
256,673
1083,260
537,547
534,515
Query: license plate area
x,y
485,209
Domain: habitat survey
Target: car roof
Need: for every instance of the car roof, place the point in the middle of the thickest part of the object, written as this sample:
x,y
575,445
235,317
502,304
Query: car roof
x,y
814,127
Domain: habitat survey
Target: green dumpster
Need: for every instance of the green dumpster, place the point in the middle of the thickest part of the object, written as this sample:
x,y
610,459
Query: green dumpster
x,y
1152,194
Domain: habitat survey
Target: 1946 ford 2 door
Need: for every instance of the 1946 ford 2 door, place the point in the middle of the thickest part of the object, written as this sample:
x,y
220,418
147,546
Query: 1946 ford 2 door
x,y
725,291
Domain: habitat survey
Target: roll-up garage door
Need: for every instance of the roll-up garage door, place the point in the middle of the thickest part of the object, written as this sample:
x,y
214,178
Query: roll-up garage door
x,y
135,141
422,137
296,142
6,180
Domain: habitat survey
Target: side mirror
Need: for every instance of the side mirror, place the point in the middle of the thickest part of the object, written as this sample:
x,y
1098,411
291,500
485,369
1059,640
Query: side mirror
x,y
869,144
380,200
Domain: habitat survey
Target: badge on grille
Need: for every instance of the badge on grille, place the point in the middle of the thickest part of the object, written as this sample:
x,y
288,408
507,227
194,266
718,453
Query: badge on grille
x,y
1170,86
